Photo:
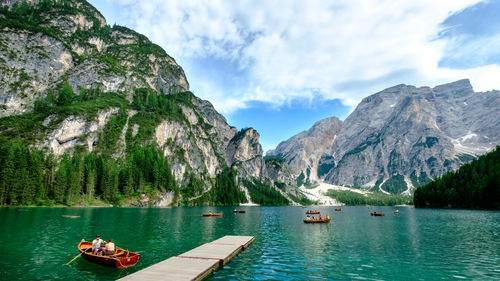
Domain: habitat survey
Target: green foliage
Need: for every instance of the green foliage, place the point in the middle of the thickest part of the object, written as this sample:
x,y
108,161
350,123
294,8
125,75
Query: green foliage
x,y
377,199
371,140
420,180
395,184
300,179
112,131
226,191
465,158
22,176
326,163
274,160
264,195
44,105
429,142
29,177
66,95
302,200
475,185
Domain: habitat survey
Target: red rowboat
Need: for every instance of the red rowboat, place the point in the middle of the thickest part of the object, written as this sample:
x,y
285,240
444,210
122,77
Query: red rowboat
x,y
312,212
212,214
377,214
327,220
121,258
338,209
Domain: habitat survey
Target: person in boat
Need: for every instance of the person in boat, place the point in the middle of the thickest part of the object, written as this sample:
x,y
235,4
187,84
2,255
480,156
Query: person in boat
x,y
109,249
96,245
319,216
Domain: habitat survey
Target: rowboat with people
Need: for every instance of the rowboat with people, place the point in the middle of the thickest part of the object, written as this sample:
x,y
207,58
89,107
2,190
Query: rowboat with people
x,y
377,214
120,259
312,212
317,220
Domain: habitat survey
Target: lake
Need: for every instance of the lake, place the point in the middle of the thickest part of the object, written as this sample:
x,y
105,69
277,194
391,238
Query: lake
x,y
416,244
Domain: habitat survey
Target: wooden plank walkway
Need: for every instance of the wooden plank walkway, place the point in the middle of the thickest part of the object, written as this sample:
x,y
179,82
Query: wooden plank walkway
x,y
195,264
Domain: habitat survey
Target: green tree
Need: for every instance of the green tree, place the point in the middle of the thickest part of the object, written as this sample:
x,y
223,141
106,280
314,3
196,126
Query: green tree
x,y
66,94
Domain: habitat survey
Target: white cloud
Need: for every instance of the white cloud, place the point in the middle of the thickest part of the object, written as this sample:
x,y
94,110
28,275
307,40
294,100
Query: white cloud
x,y
299,49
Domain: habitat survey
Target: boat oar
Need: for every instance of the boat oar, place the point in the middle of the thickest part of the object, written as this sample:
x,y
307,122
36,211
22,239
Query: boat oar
x,y
76,255
74,258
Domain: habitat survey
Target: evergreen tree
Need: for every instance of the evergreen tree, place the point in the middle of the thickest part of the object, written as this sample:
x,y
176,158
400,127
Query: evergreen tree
x,y
475,185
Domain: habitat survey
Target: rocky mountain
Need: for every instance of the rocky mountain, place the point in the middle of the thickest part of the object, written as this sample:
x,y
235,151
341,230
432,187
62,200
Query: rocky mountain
x,y
70,82
399,138
304,150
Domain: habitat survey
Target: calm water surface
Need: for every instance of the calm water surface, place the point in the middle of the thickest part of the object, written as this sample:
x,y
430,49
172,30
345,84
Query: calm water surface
x,y
416,244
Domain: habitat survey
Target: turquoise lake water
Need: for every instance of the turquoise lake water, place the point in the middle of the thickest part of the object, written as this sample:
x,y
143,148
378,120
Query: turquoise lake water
x,y
416,244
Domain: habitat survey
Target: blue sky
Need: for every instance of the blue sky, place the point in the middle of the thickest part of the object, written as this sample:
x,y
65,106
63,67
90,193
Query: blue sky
x,y
280,66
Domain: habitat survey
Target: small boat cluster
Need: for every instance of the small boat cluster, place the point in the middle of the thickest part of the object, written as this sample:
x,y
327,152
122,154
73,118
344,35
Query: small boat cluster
x,y
316,219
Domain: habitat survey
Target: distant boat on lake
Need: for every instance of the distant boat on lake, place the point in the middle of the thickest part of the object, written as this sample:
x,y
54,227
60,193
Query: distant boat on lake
x,y
212,214
325,220
312,212
377,214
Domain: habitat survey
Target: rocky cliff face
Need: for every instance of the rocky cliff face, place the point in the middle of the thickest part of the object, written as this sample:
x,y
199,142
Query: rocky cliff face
x,y
71,42
304,150
112,71
403,136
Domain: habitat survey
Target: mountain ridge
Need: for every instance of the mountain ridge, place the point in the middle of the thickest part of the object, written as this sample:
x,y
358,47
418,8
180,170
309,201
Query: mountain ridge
x,y
77,88
403,136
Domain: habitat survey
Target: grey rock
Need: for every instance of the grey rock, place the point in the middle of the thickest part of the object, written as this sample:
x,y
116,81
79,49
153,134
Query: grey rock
x,y
406,132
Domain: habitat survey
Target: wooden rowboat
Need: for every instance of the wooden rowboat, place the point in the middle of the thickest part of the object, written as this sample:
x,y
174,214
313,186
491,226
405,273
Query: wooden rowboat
x,y
212,214
327,220
121,258
396,212
312,212
377,214
239,211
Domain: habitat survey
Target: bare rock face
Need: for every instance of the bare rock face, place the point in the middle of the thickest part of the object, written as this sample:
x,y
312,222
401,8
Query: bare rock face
x,y
245,151
33,61
303,151
403,136
75,130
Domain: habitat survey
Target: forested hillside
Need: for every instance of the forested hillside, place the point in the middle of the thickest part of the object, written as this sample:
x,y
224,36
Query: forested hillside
x,y
474,186
92,114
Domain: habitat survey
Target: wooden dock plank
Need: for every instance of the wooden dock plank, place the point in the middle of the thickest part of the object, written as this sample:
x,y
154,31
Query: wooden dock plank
x,y
195,264
175,268
213,251
235,240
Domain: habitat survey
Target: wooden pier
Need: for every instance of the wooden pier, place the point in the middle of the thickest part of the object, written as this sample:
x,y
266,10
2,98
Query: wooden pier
x,y
195,264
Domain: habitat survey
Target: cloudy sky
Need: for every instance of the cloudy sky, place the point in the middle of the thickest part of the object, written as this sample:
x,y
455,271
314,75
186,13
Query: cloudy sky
x,y
279,66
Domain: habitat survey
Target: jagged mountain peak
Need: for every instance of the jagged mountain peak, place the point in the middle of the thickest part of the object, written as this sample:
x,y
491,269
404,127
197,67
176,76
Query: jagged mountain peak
x,y
400,137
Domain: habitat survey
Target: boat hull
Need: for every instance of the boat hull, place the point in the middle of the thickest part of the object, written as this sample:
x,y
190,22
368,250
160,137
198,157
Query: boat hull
x,y
212,214
377,214
317,221
121,259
